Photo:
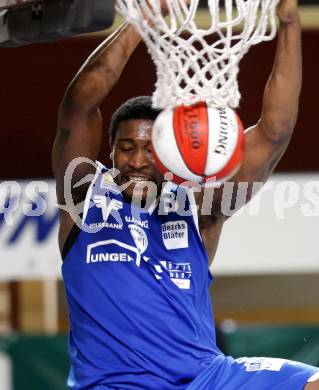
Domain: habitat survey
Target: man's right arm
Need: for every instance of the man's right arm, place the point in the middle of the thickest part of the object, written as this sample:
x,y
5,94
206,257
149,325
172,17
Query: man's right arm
x,y
79,131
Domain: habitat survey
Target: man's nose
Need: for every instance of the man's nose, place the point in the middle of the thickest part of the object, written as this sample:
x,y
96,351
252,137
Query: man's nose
x,y
139,160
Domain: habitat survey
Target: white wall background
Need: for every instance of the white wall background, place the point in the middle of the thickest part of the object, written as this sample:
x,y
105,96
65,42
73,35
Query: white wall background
x,y
278,232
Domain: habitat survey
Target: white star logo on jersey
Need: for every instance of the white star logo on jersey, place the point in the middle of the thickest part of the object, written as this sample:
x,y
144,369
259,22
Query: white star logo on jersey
x,y
107,205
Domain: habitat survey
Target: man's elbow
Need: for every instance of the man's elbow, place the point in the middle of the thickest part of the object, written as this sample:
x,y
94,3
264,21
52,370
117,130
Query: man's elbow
x,y
278,131
83,93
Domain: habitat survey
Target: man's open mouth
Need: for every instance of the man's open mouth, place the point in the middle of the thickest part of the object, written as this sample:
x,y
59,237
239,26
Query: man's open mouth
x,y
136,179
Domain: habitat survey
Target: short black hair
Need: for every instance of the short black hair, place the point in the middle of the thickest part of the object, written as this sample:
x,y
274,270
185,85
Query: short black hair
x,y
139,107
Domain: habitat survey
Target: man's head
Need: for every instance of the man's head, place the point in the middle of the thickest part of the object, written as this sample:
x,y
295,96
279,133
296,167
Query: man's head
x,y
130,140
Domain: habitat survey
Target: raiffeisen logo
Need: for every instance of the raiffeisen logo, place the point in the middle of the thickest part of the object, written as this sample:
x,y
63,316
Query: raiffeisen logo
x,y
112,251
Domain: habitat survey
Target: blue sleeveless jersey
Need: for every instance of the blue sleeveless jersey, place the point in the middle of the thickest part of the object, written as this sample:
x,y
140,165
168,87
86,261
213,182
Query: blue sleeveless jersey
x,y
137,289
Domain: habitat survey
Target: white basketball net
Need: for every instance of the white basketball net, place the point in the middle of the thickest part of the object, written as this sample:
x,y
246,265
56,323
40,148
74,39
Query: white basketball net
x,y
188,68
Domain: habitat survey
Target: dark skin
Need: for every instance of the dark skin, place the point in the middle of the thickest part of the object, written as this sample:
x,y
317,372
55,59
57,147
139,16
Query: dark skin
x,y
133,157
80,126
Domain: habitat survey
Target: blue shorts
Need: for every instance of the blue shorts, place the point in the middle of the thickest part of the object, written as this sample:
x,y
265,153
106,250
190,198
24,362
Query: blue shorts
x,y
227,373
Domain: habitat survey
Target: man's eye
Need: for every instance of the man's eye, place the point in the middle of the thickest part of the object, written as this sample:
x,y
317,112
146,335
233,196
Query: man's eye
x,y
126,148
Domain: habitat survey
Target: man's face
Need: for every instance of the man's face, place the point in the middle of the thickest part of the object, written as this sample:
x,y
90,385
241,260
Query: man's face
x,y
133,157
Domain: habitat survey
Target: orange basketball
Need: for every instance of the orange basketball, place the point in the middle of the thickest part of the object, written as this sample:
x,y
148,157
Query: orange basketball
x,y
198,143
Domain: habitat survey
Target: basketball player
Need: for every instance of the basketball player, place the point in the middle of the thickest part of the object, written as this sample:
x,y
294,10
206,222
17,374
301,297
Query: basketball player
x,y
137,282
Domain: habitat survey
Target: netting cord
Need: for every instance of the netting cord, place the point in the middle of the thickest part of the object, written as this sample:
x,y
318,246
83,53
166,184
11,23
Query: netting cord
x,y
188,68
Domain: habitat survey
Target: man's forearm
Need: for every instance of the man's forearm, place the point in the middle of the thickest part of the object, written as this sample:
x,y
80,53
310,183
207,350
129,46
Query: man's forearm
x,y
281,97
102,69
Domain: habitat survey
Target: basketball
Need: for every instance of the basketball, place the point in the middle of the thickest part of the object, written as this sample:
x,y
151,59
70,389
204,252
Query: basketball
x,y
198,143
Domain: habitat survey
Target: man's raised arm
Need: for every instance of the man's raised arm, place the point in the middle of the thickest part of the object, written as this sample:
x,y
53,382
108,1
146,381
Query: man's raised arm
x,y
281,97
79,131
267,141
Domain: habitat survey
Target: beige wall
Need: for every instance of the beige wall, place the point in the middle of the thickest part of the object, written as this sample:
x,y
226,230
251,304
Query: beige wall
x,y
267,298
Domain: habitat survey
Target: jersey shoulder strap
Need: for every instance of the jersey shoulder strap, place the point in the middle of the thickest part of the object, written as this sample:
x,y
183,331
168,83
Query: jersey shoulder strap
x,y
102,177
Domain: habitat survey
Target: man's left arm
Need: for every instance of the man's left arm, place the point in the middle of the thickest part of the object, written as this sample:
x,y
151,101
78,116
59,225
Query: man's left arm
x,y
267,141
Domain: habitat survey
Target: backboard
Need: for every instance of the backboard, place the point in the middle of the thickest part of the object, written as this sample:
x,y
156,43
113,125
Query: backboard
x,y
29,21
13,3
